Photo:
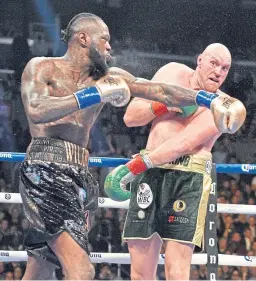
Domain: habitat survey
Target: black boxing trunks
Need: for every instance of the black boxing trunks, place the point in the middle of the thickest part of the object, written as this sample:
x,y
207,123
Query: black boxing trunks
x,y
57,191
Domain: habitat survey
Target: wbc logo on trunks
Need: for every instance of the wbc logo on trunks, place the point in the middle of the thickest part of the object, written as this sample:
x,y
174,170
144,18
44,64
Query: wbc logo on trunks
x,y
144,196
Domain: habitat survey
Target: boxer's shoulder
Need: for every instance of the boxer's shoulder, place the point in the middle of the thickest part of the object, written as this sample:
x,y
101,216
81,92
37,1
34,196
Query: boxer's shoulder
x,y
121,73
39,65
176,67
41,61
181,69
173,70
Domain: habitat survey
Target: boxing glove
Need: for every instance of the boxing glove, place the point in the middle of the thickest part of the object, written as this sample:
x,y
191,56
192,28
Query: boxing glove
x,y
229,113
107,89
116,181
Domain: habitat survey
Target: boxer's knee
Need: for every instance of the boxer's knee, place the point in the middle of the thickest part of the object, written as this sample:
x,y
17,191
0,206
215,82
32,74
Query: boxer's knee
x,y
176,270
178,257
144,270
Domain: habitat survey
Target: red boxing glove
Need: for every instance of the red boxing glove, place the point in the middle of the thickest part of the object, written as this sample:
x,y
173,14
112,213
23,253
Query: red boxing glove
x,y
158,108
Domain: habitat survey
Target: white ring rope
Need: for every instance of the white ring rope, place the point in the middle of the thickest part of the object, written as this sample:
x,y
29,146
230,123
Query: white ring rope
x,y
120,258
105,202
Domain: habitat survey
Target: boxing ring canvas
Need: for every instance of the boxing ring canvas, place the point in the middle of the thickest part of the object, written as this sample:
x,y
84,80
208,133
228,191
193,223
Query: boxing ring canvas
x,y
211,258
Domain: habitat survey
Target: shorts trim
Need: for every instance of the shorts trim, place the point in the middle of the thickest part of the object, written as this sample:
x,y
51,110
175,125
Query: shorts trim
x,y
142,238
201,214
163,239
176,240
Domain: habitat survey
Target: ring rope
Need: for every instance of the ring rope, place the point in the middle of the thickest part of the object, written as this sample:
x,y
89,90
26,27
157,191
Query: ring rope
x,y
104,202
113,162
121,258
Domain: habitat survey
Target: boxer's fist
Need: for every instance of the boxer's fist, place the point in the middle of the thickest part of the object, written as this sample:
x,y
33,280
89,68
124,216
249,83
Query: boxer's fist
x,y
229,113
114,90
116,181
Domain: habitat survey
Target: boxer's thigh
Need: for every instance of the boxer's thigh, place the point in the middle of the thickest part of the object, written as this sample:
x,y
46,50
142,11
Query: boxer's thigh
x,y
144,255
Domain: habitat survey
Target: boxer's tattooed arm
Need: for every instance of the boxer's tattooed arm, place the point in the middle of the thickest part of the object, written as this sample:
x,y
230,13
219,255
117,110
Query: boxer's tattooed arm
x,y
128,77
170,95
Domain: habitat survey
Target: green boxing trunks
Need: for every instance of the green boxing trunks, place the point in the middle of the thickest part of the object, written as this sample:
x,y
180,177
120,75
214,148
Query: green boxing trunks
x,y
171,200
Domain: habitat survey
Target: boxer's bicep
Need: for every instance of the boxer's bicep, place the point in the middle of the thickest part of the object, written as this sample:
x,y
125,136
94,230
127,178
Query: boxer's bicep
x,y
138,113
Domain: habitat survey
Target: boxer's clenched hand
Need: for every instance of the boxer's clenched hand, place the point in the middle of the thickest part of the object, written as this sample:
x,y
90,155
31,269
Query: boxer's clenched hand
x,y
229,113
109,88
114,90
116,181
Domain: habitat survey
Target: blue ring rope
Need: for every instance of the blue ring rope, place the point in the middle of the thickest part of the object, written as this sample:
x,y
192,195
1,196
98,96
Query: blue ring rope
x,y
114,162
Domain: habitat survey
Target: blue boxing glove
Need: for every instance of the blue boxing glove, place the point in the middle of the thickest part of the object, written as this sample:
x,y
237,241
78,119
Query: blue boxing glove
x,y
107,89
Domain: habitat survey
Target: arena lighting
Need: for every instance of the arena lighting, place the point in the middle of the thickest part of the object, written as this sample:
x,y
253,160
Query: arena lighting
x,y
45,11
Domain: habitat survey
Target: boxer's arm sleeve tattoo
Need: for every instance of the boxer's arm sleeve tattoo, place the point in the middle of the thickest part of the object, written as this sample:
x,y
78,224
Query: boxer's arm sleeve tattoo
x,y
170,95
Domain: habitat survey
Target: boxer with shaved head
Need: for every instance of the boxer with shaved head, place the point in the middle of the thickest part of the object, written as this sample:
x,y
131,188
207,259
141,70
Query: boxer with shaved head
x,y
170,178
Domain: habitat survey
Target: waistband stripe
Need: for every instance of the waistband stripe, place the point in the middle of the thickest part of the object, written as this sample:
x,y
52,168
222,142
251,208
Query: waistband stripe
x,y
191,163
59,151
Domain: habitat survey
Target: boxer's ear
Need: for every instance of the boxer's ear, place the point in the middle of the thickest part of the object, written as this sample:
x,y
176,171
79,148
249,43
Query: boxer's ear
x,y
199,60
84,39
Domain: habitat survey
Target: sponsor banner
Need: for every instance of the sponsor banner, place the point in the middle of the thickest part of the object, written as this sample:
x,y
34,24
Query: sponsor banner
x,y
211,241
248,168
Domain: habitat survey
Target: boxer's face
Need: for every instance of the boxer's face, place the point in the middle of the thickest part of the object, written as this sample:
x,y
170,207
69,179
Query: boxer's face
x,y
99,50
100,41
213,70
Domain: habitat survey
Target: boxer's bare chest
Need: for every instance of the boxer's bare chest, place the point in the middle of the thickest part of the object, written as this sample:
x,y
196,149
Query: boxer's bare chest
x,y
169,124
76,126
65,82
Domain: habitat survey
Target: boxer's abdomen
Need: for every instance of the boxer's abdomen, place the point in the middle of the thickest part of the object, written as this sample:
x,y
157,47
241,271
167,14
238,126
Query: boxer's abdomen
x,y
74,128
169,126
66,131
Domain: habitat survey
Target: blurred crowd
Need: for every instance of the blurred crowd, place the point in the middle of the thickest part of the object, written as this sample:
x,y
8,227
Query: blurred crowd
x,y
110,137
